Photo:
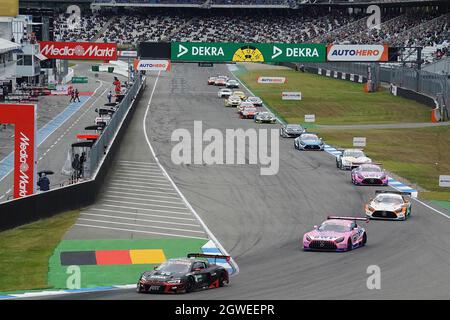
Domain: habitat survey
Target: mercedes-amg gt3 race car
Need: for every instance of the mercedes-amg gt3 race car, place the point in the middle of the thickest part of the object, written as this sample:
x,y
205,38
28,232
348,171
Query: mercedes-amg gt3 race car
x,y
308,141
257,102
336,234
351,158
291,131
248,112
369,174
232,84
232,101
224,93
265,117
211,80
184,275
389,205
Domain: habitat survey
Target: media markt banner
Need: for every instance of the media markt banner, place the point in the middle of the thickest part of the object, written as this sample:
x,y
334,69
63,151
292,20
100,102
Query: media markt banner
x,y
247,52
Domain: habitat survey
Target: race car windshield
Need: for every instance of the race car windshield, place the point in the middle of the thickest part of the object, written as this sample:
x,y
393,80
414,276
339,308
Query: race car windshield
x,y
334,227
388,199
309,137
250,109
174,267
354,154
294,127
371,169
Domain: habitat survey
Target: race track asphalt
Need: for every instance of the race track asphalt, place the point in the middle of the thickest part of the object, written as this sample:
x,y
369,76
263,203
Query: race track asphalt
x,y
260,219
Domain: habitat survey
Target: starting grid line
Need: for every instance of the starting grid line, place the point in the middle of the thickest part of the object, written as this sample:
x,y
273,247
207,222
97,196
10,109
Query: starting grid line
x,y
391,181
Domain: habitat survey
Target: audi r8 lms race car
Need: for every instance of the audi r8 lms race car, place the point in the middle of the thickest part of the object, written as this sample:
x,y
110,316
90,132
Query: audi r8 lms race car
x,y
240,94
336,234
257,102
232,101
369,174
291,131
351,158
184,275
243,105
224,93
211,80
389,205
308,141
248,112
232,84
265,117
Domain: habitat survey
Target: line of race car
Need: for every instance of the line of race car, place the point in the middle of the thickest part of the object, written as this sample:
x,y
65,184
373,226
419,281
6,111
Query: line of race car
x,y
336,233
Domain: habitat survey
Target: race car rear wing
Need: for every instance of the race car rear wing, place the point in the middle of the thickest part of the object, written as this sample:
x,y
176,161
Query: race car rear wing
x,y
209,256
395,192
348,218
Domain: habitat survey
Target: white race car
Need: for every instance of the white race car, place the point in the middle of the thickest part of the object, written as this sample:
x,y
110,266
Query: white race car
x,y
257,102
351,158
390,205
224,93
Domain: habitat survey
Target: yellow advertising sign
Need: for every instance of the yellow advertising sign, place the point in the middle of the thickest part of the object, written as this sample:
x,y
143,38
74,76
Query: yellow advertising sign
x,y
9,8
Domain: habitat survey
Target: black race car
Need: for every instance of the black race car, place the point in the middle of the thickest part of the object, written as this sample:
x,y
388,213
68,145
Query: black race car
x,y
184,275
291,131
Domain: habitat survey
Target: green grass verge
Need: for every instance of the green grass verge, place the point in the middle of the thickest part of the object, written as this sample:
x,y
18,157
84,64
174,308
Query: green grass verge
x,y
107,275
418,155
25,251
332,101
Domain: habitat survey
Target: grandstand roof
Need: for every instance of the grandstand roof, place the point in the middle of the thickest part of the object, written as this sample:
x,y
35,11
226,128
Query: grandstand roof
x,y
6,45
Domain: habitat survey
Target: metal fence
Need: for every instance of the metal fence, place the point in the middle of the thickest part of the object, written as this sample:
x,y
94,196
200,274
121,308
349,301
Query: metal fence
x,y
424,82
100,147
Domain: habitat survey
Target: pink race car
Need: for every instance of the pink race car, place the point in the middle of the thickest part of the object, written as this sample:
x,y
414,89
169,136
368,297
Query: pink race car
x,y
369,174
336,234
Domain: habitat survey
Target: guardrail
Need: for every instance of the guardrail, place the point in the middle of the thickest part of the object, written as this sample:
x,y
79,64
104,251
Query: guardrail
x,y
28,209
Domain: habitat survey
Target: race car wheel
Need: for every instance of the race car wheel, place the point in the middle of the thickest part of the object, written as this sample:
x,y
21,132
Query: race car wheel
x,y
190,284
349,244
364,239
221,280
139,288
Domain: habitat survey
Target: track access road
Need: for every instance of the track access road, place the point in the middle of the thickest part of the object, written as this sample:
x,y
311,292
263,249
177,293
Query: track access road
x,y
260,219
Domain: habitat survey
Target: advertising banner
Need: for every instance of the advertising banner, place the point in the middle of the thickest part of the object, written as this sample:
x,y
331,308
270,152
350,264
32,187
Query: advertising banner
x,y
127,54
79,50
248,52
444,181
358,52
359,141
271,79
291,96
152,65
310,118
23,117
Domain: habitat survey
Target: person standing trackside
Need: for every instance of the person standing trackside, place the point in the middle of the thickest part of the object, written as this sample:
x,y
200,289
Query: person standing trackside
x,y
109,96
72,96
77,95
76,166
43,183
82,161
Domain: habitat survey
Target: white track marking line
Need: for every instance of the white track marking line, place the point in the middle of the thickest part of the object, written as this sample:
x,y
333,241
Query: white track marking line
x,y
140,180
145,189
130,170
146,209
141,225
143,175
140,163
150,184
143,214
431,208
210,234
140,231
137,219
142,194
146,192
140,199
151,205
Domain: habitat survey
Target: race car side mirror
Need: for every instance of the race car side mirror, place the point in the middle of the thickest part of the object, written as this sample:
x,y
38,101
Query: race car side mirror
x,y
315,227
155,267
